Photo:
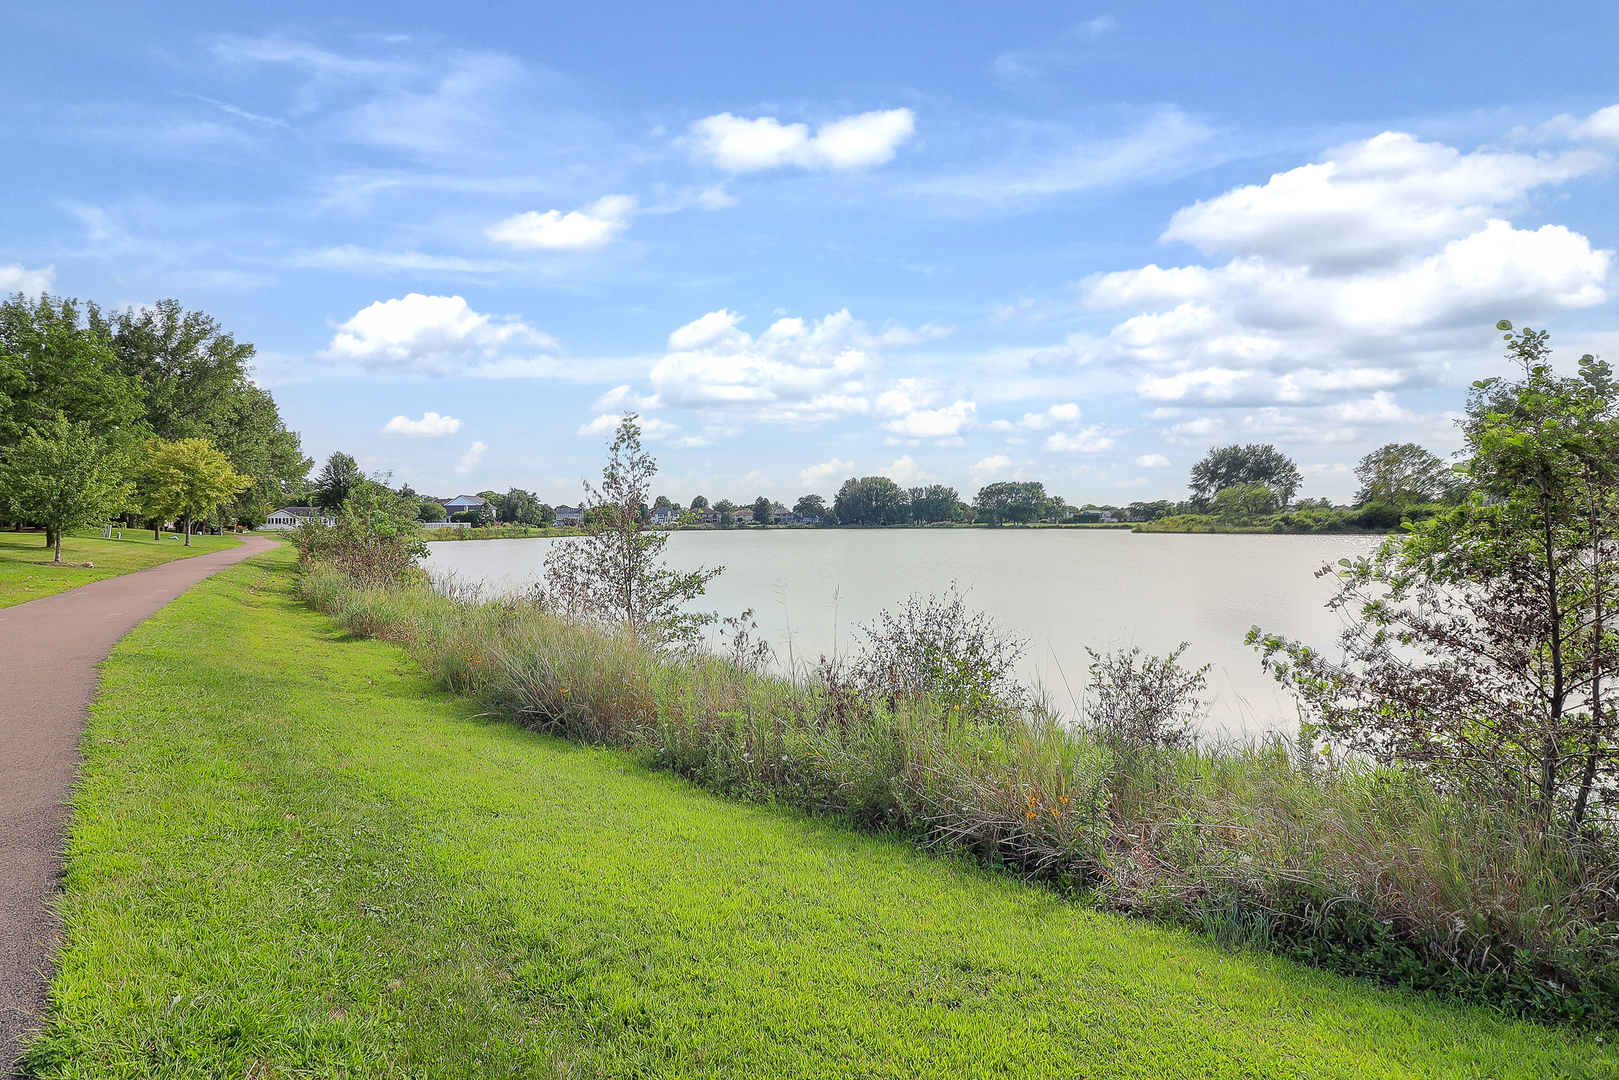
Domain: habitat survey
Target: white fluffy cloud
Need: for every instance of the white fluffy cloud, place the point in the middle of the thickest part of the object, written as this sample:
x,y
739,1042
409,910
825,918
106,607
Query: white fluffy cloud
x,y
816,475
991,465
579,230
1378,268
430,426
1086,441
737,144
16,277
435,335
472,458
1370,201
793,372
1152,461
935,423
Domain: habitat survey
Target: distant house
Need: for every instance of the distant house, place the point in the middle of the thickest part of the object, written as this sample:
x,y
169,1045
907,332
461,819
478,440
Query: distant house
x,y
742,517
570,515
666,515
710,516
292,517
461,504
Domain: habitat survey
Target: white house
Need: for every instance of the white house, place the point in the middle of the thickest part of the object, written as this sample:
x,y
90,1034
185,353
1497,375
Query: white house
x,y
570,515
666,515
292,517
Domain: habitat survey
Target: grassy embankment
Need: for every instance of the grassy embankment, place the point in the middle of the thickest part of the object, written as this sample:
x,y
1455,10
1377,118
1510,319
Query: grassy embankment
x,y
293,855
1373,871
26,571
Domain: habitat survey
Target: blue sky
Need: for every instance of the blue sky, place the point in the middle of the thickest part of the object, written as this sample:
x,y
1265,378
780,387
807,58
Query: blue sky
x,y
941,242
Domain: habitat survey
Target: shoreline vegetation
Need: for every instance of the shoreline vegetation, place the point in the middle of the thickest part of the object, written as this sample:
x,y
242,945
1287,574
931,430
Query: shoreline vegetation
x,y
1278,845
1451,858
295,854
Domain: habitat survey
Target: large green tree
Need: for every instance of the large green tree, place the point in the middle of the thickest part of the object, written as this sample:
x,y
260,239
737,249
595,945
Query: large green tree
x,y
63,476
1011,500
871,500
1227,466
192,370
336,481
1401,474
519,507
53,364
157,370
812,506
197,380
936,502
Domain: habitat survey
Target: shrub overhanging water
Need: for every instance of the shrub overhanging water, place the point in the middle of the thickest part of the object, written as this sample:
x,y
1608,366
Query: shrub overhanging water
x,y
1267,844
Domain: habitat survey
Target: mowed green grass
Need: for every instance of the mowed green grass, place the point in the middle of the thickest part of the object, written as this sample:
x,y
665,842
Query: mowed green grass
x,y
294,856
26,572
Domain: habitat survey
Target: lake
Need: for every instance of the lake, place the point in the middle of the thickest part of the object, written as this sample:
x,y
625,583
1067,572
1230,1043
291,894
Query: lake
x,y
1064,590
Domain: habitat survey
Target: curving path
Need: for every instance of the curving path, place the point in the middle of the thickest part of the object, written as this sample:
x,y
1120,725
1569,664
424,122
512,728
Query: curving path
x,y
49,650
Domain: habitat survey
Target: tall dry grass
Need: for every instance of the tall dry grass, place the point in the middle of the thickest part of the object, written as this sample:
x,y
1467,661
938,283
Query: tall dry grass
x,y
1366,870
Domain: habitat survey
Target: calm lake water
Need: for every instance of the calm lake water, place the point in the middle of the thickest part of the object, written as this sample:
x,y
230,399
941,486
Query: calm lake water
x,y
1064,590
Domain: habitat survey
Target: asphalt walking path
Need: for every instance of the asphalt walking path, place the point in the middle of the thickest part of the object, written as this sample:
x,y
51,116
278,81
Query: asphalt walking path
x,y
49,652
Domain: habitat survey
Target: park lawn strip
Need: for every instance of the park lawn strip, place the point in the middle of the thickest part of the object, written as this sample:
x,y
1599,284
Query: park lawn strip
x,y
26,572
293,855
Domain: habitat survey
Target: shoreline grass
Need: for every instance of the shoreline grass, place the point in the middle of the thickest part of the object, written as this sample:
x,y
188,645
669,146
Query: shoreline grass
x,y
27,572
293,855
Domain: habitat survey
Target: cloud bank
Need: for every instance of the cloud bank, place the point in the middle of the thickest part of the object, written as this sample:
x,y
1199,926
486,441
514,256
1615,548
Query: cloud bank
x,y
1375,269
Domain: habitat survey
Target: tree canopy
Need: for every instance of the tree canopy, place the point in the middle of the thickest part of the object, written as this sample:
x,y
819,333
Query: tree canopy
x,y
1011,500
187,479
336,481
1401,474
871,500
63,475
158,371
936,502
1227,466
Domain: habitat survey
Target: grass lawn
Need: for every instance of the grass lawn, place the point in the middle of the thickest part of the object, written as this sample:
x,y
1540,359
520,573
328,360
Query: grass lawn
x,y
26,572
294,856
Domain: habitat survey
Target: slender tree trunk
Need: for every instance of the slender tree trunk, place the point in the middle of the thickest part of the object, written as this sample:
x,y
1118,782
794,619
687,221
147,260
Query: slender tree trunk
x,y
1551,748
1598,654
186,525
157,528
58,533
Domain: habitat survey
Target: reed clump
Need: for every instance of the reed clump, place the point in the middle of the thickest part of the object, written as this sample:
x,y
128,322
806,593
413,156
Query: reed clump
x,y
1269,844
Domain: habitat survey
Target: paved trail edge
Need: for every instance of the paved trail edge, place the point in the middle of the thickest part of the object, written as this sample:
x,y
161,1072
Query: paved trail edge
x,y
49,651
